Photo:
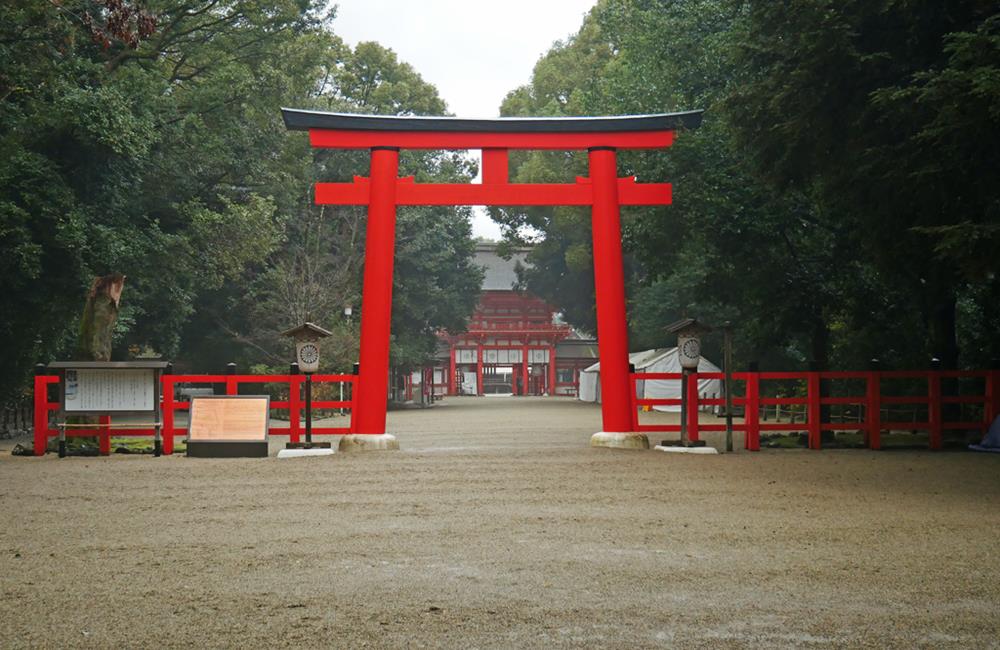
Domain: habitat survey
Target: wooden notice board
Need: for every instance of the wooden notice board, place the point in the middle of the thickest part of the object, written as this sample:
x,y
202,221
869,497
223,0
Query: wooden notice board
x,y
110,389
229,418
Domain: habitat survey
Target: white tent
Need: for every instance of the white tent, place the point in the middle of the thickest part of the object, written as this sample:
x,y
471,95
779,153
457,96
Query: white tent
x,y
658,360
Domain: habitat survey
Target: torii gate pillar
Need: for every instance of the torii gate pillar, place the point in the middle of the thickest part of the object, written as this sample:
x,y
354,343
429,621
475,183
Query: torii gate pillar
x,y
609,289
603,191
376,305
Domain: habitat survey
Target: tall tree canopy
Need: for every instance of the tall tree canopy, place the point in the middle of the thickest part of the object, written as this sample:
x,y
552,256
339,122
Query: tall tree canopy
x,y
835,205
147,140
887,110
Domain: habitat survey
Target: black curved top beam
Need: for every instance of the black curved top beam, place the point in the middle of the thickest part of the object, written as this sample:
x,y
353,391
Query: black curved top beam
x,y
299,120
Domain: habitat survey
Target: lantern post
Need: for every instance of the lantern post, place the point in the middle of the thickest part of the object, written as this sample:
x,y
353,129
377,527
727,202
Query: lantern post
x,y
307,337
688,331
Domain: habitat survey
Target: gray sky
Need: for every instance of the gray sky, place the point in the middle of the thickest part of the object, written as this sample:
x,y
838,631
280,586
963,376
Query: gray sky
x,y
473,51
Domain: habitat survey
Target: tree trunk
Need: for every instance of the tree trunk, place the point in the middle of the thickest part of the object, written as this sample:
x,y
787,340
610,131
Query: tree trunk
x,y
99,317
100,313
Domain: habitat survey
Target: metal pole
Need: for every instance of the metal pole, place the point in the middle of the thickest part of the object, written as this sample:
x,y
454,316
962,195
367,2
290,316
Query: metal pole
x,y
727,362
380,244
609,284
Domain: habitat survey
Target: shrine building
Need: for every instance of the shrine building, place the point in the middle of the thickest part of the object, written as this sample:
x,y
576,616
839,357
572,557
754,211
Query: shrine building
x,y
516,343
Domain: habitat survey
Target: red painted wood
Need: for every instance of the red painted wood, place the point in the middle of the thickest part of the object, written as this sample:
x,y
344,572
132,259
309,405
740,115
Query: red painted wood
x,y
452,389
934,415
609,284
843,400
992,396
479,369
104,439
873,411
376,300
170,406
347,379
692,410
813,410
295,407
41,420
963,399
168,414
496,169
905,399
524,370
438,140
842,374
493,193
752,412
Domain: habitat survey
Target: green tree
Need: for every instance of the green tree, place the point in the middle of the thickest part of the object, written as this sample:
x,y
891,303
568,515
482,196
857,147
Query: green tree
x,y
885,111
727,248
317,271
160,153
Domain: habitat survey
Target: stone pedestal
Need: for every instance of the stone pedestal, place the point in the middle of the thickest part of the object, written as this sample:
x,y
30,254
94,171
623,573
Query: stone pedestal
x,y
305,453
620,440
369,442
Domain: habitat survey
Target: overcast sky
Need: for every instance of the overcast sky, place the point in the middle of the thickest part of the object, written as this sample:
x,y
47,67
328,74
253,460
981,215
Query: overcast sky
x,y
473,51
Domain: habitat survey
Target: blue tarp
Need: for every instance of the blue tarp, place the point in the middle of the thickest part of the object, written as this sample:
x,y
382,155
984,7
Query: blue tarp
x,y
991,441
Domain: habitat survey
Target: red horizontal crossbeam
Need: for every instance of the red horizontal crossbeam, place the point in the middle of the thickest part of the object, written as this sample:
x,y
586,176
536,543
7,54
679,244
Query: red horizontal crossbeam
x,y
410,193
338,139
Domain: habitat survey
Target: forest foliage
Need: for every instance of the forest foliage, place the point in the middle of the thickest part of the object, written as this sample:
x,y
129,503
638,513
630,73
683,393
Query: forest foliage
x,y
839,202
146,139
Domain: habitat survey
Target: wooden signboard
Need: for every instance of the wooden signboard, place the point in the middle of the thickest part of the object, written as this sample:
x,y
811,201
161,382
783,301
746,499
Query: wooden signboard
x,y
104,387
228,426
110,390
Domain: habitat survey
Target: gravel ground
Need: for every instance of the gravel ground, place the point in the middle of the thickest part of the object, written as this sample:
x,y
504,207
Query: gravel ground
x,y
497,526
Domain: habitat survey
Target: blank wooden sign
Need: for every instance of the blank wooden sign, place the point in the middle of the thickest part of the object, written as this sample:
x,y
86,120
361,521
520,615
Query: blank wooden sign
x,y
228,426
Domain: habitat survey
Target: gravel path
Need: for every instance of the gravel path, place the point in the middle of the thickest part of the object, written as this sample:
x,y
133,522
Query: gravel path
x,y
497,526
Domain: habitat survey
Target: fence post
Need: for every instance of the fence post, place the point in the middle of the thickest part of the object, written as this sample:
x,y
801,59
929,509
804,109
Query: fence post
x,y
168,409
231,387
692,412
633,396
815,410
41,421
751,411
873,407
356,371
934,404
104,435
294,402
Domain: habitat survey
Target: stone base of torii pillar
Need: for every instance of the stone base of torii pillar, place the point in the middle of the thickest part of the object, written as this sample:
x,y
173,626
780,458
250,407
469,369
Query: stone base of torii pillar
x,y
620,440
369,442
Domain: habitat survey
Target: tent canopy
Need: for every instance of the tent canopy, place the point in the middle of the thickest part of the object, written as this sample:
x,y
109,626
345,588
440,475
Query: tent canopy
x,y
655,360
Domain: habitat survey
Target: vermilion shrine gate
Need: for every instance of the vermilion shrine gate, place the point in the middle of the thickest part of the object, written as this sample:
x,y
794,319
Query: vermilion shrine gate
x,y
603,190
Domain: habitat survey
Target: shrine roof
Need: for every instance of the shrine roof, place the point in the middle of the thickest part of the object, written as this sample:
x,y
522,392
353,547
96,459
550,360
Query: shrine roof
x,y
302,120
501,274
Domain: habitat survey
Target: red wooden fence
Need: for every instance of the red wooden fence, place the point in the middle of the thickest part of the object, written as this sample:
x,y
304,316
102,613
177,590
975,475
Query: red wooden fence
x,y
871,401
751,400
295,406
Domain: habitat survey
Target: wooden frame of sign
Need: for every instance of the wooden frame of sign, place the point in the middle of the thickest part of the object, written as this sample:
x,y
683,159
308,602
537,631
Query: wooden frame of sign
x,y
228,426
109,388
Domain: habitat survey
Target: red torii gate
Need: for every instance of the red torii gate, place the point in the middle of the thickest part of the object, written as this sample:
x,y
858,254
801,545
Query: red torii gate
x,y
383,190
